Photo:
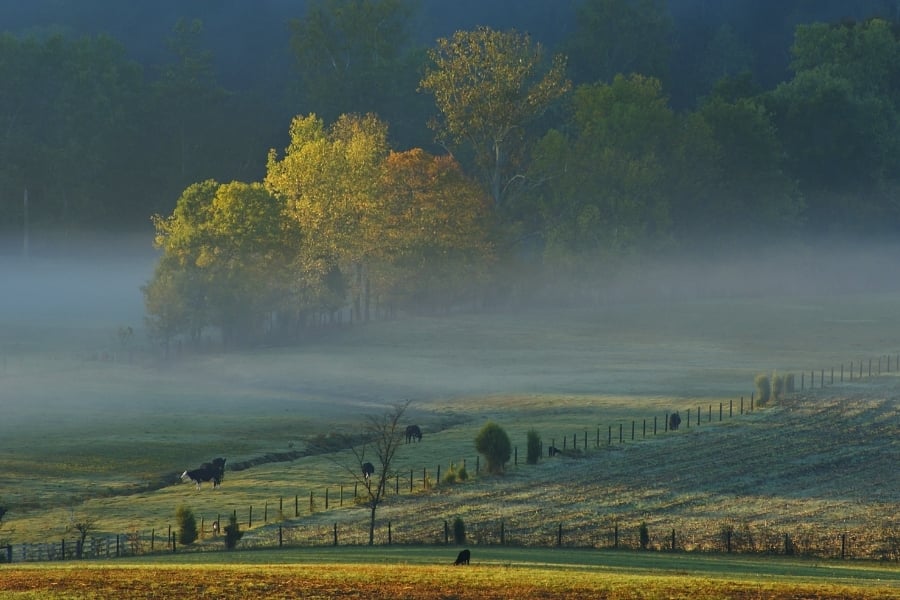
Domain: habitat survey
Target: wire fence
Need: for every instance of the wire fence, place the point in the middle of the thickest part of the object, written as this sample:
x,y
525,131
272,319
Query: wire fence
x,y
274,525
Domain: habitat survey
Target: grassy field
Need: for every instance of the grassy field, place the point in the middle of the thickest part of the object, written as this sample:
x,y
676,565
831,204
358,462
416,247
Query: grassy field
x,y
425,572
94,428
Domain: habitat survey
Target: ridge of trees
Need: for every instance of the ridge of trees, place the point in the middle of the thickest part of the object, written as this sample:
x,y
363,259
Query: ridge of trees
x,y
531,162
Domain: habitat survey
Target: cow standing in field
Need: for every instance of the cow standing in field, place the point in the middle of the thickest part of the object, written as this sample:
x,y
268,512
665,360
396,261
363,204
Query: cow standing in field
x,y
413,433
463,558
213,472
367,470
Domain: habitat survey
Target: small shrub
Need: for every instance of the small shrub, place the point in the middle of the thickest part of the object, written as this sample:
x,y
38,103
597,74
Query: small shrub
x,y
462,474
644,533
493,443
233,533
459,531
534,447
789,386
763,389
187,525
451,476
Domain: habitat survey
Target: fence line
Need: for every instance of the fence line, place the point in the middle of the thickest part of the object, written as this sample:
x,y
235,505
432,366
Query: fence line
x,y
135,543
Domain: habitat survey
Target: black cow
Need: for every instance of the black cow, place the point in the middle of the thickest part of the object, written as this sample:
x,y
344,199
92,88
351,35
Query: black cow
x,y
213,472
463,557
413,433
367,470
554,451
674,421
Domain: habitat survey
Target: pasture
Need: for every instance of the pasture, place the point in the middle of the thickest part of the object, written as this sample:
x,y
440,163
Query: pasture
x,y
425,572
97,427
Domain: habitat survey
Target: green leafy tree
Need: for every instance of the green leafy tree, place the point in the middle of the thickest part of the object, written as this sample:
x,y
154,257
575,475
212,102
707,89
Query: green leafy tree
x,y
187,525
493,443
489,88
839,122
621,147
226,250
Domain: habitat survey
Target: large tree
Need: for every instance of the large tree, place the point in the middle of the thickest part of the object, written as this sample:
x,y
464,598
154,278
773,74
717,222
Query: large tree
x,y
490,87
329,179
225,255
436,231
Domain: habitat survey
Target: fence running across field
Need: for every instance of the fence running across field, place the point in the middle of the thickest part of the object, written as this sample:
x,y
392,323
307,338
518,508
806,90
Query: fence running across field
x,y
272,531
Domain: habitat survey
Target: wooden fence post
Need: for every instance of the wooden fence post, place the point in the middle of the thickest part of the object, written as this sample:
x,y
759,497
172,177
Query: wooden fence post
x,y
280,537
326,498
266,512
559,535
335,535
389,533
250,518
446,533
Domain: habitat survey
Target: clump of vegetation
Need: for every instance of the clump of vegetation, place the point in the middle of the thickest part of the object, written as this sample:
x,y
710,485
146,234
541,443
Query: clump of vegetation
x,y
534,447
187,525
233,533
778,386
644,533
493,443
789,385
763,389
456,474
459,531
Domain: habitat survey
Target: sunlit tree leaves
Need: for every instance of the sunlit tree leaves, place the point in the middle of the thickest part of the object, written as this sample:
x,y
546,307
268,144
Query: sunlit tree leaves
x,y
437,231
489,87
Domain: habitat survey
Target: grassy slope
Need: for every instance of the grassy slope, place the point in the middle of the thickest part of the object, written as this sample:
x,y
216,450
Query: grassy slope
x,y
803,467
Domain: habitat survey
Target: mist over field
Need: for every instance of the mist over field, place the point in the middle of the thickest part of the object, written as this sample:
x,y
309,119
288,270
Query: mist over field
x,y
677,327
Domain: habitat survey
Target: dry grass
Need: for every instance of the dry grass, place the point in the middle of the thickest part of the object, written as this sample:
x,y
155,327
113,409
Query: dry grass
x,y
424,573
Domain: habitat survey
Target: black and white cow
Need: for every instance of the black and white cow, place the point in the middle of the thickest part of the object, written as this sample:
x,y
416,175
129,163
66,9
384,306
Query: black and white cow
x,y
367,470
413,433
213,472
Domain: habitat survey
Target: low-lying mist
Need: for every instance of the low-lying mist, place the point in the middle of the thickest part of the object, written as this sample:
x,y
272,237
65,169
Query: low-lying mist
x,y
680,326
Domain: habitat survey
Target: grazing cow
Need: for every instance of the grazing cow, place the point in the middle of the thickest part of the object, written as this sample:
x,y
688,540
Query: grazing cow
x,y
367,470
554,451
463,557
413,433
674,421
213,472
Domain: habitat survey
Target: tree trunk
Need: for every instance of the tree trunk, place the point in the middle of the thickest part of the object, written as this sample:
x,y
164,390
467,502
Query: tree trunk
x,y
372,526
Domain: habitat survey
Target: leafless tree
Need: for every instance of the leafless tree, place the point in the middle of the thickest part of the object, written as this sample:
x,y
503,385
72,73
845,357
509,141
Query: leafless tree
x,y
383,435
